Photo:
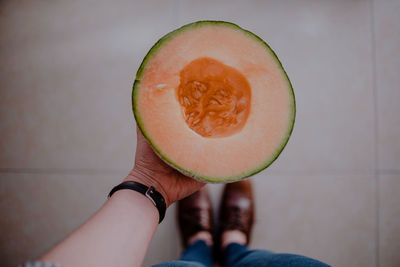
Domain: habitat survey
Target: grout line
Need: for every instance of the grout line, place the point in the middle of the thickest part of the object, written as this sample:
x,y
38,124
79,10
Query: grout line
x,y
374,90
377,236
319,172
376,130
388,171
63,171
120,171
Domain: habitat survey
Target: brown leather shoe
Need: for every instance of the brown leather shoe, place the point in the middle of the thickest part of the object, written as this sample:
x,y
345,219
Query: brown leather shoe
x,y
237,208
194,215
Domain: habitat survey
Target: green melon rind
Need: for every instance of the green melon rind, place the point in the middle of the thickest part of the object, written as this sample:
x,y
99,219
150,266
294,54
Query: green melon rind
x,y
192,174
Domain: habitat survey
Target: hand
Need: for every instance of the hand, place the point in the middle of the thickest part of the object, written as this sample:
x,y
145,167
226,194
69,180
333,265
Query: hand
x,y
150,170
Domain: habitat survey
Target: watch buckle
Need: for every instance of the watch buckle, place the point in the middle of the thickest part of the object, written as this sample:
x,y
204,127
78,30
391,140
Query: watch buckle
x,y
149,193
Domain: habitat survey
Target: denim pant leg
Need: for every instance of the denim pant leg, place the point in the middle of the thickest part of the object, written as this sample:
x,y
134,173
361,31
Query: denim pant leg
x,y
197,254
237,255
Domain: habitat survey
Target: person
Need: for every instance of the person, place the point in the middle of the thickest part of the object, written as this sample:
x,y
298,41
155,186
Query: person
x,y
119,233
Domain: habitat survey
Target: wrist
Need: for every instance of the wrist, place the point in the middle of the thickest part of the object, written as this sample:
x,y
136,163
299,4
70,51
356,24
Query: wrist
x,y
150,193
142,204
136,175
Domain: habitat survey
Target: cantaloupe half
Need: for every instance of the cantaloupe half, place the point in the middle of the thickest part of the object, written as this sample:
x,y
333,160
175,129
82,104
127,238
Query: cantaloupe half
x,y
214,101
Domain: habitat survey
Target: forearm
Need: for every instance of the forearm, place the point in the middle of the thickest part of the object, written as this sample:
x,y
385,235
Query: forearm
x,y
117,235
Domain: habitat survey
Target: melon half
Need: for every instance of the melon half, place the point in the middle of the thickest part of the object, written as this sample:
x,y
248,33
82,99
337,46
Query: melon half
x,y
214,101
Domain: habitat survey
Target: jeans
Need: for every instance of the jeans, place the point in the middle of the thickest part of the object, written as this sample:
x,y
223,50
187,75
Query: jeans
x,y
199,254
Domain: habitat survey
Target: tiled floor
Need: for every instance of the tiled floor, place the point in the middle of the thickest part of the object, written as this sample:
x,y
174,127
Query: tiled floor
x,y
66,74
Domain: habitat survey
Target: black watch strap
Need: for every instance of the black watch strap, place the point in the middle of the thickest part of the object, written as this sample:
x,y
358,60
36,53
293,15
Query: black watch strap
x,y
152,194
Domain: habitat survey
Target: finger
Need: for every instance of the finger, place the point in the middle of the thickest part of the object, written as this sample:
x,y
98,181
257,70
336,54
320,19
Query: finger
x,y
140,137
142,142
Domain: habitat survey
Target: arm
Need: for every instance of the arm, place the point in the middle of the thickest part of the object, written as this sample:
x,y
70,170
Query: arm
x,y
117,235
120,232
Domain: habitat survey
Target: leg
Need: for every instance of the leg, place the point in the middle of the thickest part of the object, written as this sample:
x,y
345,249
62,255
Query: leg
x,y
199,251
236,255
197,254
195,225
179,264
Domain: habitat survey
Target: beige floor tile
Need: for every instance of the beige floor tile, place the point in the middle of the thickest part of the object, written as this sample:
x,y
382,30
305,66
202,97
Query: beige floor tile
x,y
66,79
39,210
387,46
66,83
325,47
389,220
331,218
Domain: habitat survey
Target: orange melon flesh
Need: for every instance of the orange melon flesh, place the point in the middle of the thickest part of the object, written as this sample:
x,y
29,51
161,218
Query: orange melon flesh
x,y
215,98
243,117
